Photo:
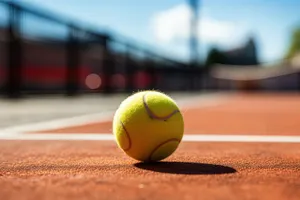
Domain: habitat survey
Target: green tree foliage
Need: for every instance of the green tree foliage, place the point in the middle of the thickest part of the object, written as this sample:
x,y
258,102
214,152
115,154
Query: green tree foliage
x,y
294,46
214,56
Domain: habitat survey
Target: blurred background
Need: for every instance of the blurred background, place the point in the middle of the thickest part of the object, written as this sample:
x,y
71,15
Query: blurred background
x,y
75,47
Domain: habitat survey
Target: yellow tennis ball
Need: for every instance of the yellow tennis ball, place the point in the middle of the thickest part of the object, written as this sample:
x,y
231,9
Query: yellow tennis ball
x,y
148,126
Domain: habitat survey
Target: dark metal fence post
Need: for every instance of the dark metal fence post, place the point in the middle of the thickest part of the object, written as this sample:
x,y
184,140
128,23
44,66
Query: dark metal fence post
x,y
108,65
14,73
150,69
129,70
72,74
298,81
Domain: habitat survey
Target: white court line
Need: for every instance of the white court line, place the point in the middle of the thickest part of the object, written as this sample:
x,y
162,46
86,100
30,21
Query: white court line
x,y
186,138
202,101
59,123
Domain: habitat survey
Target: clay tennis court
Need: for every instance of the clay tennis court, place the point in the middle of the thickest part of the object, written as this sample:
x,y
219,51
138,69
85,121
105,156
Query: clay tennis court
x,y
236,146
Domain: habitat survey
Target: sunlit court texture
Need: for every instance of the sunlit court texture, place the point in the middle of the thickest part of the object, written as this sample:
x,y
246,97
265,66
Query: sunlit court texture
x,y
132,100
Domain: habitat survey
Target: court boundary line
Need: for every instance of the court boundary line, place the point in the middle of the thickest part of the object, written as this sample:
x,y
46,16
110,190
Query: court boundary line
x,y
105,116
186,138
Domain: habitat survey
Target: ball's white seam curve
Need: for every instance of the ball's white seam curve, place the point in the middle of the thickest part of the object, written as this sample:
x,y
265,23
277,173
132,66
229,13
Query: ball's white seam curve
x,y
152,114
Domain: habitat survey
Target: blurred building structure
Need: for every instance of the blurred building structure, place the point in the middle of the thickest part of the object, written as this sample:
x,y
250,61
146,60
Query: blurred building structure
x,y
244,55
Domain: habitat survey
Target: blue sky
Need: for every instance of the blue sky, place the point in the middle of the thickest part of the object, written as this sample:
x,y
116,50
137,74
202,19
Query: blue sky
x,y
163,25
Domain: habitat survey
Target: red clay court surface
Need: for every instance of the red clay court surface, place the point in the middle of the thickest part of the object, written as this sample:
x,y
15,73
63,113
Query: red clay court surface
x,y
95,169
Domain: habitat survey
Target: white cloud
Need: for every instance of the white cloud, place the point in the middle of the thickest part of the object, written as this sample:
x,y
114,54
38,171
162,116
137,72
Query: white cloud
x,y
173,24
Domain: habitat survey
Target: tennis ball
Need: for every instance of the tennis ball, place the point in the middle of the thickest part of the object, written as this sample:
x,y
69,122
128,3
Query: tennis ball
x,y
148,126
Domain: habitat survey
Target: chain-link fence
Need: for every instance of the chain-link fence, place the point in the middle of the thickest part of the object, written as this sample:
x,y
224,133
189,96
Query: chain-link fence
x,y
44,53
